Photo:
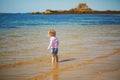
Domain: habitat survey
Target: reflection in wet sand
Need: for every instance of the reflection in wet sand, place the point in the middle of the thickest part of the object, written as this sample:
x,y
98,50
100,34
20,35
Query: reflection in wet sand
x,y
55,71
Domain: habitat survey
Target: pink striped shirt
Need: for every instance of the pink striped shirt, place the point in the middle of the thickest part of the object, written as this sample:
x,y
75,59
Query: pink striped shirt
x,y
54,42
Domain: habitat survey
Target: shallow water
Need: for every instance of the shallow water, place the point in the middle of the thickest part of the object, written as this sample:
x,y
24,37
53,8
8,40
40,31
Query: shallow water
x,y
85,52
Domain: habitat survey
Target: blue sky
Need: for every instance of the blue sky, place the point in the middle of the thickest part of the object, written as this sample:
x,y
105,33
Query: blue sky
x,y
23,6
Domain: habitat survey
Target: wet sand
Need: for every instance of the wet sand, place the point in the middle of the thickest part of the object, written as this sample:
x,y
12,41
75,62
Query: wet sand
x,y
85,53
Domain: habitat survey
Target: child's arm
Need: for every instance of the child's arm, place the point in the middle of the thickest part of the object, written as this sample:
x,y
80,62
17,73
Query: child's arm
x,y
50,43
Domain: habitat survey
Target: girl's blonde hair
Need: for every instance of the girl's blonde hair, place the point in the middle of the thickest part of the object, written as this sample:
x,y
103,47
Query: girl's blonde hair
x,y
52,32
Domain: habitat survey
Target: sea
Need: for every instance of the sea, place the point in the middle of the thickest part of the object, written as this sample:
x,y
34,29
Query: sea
x,y
87,41
24,32
28,20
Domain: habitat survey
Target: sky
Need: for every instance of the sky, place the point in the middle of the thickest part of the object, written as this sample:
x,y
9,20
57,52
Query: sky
x,y
24,6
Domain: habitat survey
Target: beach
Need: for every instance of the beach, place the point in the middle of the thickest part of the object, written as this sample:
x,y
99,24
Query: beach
x,y
86,52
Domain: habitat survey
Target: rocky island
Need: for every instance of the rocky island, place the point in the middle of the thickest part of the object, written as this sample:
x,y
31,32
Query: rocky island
x,y
81,8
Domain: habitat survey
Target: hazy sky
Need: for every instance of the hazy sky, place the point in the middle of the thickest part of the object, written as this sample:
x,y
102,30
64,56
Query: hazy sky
x,y
21,6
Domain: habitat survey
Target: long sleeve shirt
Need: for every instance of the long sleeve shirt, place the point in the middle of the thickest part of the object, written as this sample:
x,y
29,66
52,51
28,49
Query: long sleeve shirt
x,y
54,42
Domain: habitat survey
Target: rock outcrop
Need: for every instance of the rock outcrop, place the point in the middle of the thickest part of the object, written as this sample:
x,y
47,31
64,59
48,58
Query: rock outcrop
x,y
82,8
48,11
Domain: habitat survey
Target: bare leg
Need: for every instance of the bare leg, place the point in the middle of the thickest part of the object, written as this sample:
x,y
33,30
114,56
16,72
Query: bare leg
x,y
53,58
56,57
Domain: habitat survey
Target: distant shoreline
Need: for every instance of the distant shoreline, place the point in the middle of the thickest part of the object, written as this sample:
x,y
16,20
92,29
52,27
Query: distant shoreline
x,y
117,12
100,12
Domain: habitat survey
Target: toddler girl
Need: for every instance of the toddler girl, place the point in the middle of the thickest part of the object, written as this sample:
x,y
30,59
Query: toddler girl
x,y
54,42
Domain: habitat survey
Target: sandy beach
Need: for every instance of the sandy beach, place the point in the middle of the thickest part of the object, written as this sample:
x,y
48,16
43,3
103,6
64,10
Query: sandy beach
x,y
85,53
